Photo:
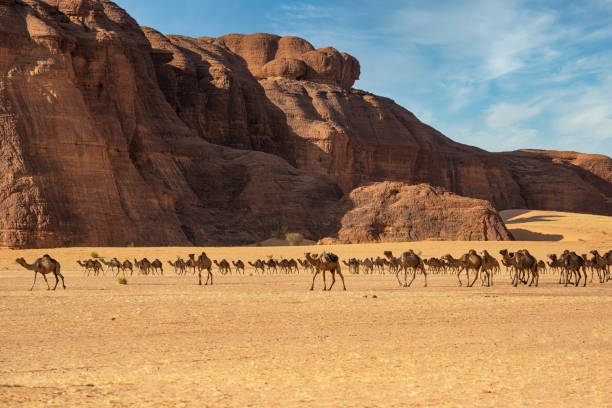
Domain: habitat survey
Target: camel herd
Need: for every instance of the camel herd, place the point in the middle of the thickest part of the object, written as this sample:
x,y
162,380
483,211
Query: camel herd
x,y
521,266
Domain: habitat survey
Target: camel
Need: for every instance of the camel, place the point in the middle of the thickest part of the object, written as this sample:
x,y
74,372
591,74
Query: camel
x,y
600,264
524,265
157,266
239,266
283,264
408,260
307,266
353,265
144,265
272,264
572,264
178,265
293,266
541,267
202,263
259,264
112,265
469,261
436,265
223,266
489,266
127,265
394,263
87,265
379,265
368,266
454,264
325,262
44,265
556,265
191,263
509,263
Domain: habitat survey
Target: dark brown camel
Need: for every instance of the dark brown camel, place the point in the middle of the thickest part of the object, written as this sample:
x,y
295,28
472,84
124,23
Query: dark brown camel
x,y
44,265
239,266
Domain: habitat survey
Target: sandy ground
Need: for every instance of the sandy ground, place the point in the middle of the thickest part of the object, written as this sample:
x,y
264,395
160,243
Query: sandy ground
x,y
266,341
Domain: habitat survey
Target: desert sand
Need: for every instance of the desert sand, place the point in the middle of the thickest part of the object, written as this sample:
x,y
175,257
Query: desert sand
x,y
266,341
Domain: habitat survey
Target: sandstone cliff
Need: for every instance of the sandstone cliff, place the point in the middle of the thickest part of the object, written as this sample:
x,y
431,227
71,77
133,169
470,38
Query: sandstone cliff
x,y
112,133
393,211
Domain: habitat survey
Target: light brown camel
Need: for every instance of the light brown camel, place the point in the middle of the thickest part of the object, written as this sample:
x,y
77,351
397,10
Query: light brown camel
x,y
409,260
600,264
469,261
202,263
238,266
43,265
323,263
178,265
489,266
87,265
113,265
307,266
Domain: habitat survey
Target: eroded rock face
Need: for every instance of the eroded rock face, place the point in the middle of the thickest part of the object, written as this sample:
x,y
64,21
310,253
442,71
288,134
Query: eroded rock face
x,y
112,133
392,212
92,153
269,55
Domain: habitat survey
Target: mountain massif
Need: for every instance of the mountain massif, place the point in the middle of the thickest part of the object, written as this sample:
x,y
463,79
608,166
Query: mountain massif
x,y
112,133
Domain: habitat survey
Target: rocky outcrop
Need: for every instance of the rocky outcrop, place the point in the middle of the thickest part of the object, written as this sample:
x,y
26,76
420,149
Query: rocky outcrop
x,y
268,55
397,212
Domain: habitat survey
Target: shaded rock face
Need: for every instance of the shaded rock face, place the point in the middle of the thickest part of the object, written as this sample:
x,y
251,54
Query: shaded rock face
x,y
92,153
394,212
112,133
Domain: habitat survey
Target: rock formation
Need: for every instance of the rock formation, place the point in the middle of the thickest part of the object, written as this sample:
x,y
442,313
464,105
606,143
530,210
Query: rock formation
x,y
396,212
112,133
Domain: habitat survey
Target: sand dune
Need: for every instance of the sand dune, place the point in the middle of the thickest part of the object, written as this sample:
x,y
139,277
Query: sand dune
x,y
532,225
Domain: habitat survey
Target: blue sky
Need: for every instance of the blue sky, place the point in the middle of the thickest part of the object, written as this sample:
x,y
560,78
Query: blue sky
x,y
496,74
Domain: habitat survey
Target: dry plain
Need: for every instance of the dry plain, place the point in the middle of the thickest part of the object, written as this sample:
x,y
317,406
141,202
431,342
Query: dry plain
x,y
266,341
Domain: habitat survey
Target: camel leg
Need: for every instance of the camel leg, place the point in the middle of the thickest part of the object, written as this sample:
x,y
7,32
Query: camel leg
x,y
585,276
342,277
324,283
475,277
425,276
211,276
313,279
333,274
35,273
46,281
397,277
459,277
56,281
199,278
413,277
405,276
